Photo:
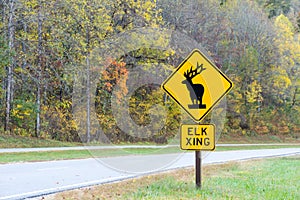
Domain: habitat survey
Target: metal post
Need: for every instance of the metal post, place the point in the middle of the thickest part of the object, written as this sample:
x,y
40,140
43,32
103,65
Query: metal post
x,y
198,169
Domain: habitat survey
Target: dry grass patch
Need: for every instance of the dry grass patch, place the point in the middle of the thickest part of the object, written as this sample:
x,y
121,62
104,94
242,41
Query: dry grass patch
x,y
117,189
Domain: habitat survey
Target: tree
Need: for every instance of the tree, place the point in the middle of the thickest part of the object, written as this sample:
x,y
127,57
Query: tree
x,y
87,24
39,67
4,61
10,66
277,7
289,44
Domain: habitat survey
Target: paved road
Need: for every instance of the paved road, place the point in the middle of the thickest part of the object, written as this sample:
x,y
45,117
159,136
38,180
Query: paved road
x,y
19,150
24,180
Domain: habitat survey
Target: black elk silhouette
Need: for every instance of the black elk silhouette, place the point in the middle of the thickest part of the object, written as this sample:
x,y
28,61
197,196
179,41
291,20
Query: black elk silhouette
x,y
196,90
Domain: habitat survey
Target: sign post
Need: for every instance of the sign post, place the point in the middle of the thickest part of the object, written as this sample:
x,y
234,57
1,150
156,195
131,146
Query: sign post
x,y
197,85
198,168
197,137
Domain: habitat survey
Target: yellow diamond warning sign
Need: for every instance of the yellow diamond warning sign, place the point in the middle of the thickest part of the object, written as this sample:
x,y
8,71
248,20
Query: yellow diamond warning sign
x,y
197,85
197,137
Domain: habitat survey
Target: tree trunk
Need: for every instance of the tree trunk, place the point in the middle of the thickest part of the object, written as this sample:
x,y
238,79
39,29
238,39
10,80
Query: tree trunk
x,y
10,67
88,107
3,14
88,87
39,72
294,100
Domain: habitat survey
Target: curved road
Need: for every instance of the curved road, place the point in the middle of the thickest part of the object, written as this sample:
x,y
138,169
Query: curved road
x,y
26,180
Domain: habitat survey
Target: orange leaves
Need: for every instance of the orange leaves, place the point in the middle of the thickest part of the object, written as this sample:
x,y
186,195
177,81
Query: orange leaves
x,y
116,73
108,86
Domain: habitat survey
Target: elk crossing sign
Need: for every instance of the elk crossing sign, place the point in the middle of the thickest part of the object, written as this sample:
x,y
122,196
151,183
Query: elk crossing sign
x,y
197,85
197,137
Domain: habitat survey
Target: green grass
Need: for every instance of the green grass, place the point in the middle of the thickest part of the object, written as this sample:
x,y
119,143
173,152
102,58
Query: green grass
x,y
268,179
276,178
9,141
42,156
13,141
254,147
76,154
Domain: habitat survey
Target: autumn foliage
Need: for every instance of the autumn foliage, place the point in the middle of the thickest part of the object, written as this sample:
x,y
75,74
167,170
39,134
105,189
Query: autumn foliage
x,y
44,45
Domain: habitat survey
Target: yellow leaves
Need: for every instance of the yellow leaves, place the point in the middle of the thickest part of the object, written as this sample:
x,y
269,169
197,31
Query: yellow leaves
x,y
31,4
61,121
109,29
64,104
297,48
287,42
280,78
253,93
147,16
22,110
20,70
147,11
284,26
281,81
279,84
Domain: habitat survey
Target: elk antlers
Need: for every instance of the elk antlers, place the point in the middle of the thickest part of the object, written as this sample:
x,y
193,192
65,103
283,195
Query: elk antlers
x,y
189,74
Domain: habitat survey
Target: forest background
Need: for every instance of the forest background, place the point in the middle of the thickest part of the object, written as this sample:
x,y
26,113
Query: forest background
x,y
46,43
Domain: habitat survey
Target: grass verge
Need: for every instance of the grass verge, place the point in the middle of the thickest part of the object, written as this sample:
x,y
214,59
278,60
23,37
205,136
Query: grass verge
x,y
9,141
276,178
80,154
13,141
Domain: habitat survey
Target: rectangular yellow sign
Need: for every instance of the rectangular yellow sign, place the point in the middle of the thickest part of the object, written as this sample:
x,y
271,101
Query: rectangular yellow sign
x,y
197,137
